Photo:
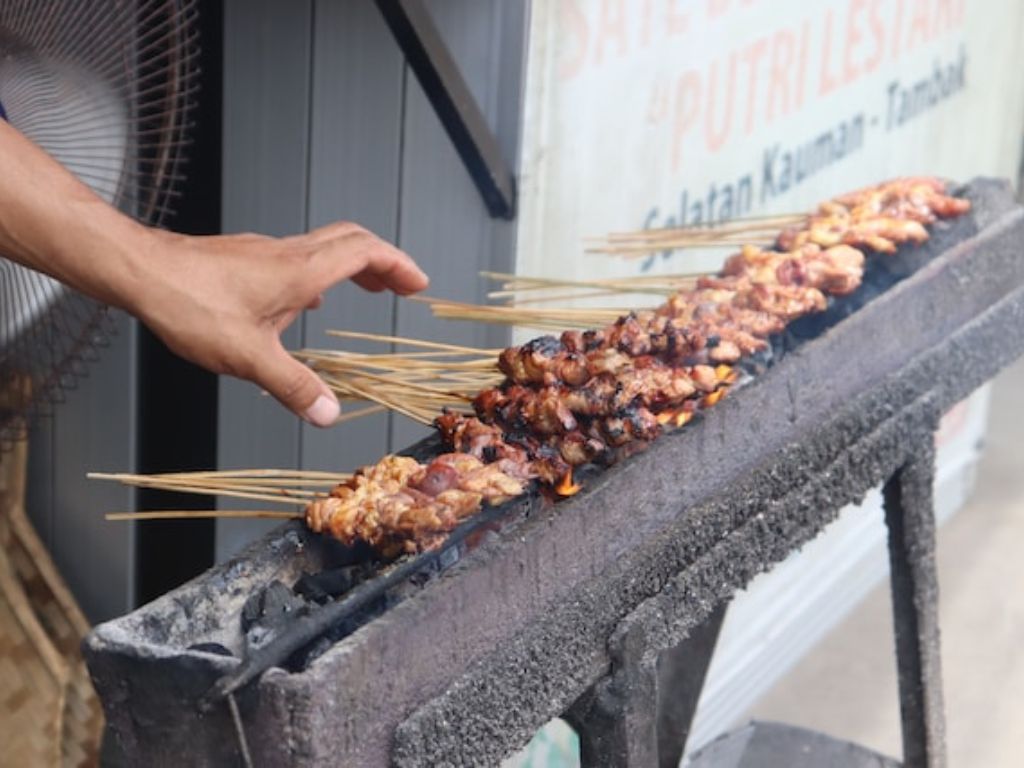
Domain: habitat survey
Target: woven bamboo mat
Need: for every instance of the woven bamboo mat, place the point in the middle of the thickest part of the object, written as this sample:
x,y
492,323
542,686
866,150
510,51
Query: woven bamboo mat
x,y
49,713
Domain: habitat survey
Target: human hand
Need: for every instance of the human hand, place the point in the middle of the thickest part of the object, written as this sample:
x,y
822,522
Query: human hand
x,y
218,301
223,301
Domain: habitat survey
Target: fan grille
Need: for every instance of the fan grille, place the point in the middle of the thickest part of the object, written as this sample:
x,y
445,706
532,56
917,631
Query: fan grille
x,y
107,88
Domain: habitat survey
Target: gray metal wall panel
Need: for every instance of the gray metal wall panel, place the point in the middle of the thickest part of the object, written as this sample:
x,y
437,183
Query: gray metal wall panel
x,y
354,175
39,489
377,155
266,154
93,430
444,224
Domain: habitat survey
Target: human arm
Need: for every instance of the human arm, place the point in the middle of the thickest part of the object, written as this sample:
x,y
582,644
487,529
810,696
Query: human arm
x,y
220,301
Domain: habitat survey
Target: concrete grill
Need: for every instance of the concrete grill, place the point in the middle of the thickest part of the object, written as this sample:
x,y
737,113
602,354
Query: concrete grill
x,y
565,609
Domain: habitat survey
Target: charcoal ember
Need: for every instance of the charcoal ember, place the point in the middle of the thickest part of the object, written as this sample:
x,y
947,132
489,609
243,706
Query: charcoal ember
x,y
268,610
305,656
338,555
321,587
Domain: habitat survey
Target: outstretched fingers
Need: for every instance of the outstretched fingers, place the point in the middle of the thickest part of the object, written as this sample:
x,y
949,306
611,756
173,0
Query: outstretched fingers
x,y
342,251
296,387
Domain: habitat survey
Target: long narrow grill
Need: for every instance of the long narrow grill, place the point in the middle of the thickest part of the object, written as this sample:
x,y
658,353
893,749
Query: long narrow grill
x,y
515,619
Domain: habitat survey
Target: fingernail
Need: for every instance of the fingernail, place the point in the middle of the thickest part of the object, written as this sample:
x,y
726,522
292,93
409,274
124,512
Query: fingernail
x,y
323,412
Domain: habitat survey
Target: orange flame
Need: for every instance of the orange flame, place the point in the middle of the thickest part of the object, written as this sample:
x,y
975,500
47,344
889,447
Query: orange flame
x,y
566,486
676,418
726,374
682,417
713,397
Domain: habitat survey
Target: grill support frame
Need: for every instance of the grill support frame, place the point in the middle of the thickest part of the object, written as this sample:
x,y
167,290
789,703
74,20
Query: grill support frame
x,y
914,585
625,720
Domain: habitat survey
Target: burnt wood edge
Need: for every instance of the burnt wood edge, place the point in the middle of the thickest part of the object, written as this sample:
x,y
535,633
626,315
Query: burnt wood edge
x,y
975,354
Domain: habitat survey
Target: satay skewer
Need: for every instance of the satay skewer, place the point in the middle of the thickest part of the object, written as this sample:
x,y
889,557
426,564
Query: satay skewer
x,y
774,221
199,514
208,489
533,440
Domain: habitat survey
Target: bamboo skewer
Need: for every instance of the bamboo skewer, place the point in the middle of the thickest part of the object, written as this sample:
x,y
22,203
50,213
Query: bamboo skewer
x,y
659,285
419,384
404,340
248,474
437,375
365,394
210,488
746,224
360,413
636,245
771,222
730,234
199,514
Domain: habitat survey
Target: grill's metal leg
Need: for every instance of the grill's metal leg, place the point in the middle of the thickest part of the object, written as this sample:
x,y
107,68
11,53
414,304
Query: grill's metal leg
x,y
681,673
639,716
910,517
617,718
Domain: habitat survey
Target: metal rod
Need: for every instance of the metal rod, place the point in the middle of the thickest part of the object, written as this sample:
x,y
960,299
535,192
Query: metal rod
x,y
437,72
910,519
243,742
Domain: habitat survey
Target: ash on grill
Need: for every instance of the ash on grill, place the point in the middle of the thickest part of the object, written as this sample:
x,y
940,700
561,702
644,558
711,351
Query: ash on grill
x,y
273,607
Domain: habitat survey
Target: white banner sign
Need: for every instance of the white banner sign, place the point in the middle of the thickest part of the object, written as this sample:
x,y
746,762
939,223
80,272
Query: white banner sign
x,y
656,113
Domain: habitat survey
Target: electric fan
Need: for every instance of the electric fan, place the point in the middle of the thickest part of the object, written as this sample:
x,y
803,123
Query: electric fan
x,y
104,86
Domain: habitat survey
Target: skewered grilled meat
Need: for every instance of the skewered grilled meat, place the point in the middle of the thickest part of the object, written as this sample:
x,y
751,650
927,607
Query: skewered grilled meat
x,y
725,318
401,505
599,394
919,198
836,271
786,302
577,356
879,217
553,409
522,454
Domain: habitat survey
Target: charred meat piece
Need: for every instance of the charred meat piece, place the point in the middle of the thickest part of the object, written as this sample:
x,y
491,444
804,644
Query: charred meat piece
x,y
879,233
518,408
487,442
647,380
412,508
836,270
705,309
544,360
579,356
635,423
880,217
919,198
786,302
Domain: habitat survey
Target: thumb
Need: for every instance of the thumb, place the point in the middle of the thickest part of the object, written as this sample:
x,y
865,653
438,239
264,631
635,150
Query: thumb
x,y
298,388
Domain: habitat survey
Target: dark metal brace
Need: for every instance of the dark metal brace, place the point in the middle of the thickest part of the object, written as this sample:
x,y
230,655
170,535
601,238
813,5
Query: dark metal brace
x,y
437,72
640,714
681,674
910,517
